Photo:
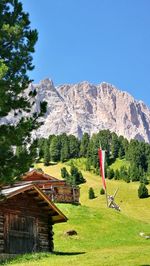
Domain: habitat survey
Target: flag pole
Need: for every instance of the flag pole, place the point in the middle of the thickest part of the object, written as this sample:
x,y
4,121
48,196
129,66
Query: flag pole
x,y
101,154
106,197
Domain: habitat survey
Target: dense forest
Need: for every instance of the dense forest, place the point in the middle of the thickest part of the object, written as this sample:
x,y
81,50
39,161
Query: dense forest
x,y
63,147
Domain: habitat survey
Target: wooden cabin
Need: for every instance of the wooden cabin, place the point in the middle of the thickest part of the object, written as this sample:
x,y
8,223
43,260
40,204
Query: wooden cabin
x,y
27,217
57,190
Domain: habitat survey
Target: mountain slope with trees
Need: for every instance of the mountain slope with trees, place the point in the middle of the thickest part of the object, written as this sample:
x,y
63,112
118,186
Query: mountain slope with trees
x,y
134,156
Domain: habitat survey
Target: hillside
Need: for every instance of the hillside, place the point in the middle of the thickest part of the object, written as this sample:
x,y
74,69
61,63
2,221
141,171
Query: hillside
x,y
84,107
105,237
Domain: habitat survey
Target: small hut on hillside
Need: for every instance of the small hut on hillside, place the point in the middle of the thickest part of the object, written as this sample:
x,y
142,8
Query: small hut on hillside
x,y
57,190
26,219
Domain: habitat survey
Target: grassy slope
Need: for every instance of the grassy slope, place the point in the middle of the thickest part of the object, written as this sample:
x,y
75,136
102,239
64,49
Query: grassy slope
x,y
105,237
118,163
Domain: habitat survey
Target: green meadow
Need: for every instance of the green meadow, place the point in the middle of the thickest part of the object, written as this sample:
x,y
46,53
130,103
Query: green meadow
x,y
105,237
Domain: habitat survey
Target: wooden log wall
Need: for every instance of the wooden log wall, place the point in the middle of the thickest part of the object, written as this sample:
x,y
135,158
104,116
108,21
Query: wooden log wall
x,y
45,236
25,205
1,232
63,194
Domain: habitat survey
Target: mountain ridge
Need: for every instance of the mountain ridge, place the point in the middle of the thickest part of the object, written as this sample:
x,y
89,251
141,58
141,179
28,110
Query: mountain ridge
x,y
85,107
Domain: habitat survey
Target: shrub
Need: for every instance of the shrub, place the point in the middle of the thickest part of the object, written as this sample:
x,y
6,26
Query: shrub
x,y
144,180
77,175
102,191
91,193
64,173
117,175
110,173
142,191
126,179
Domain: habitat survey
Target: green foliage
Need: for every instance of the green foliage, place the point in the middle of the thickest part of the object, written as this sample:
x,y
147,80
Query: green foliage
x,y
110,173
127,178
148,165
115,145
136,154
64,154
46,153
76,175
118,150
41,147
121,152
144,180
74,146
43,105
64,173
3,69
102,191
88,165
91,193
84,145
55,149
116,174
17,41
124,174
142,191
135,174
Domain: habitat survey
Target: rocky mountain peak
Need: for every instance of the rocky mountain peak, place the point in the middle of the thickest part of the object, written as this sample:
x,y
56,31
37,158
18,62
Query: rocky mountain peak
x,y
47,83
85,107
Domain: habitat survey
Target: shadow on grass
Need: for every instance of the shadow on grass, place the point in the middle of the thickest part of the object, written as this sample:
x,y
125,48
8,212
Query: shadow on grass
x,y
68,253
145,265
35,256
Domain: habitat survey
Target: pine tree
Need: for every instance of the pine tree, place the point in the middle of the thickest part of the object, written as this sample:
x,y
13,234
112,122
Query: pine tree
x,y
64,173
41,146
46,153
22,155
142,191
102,191
144,180
91,193
88,165
121,152
116,174
74,146
17,43
115,145
55,149
148,165
84,145
135,174
76,175
64,154
110,173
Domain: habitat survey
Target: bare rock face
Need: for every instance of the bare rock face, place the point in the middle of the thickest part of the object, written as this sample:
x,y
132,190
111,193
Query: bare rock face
x,y
78,108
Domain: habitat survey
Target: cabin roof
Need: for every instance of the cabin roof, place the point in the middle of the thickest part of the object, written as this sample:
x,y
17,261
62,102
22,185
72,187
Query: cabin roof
x,y
39,195
40,175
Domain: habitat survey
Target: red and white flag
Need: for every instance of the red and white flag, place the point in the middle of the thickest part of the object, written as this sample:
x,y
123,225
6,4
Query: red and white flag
x,y
101,155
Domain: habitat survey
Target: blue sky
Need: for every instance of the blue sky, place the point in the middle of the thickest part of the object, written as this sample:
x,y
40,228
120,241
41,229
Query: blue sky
x,y
93,40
